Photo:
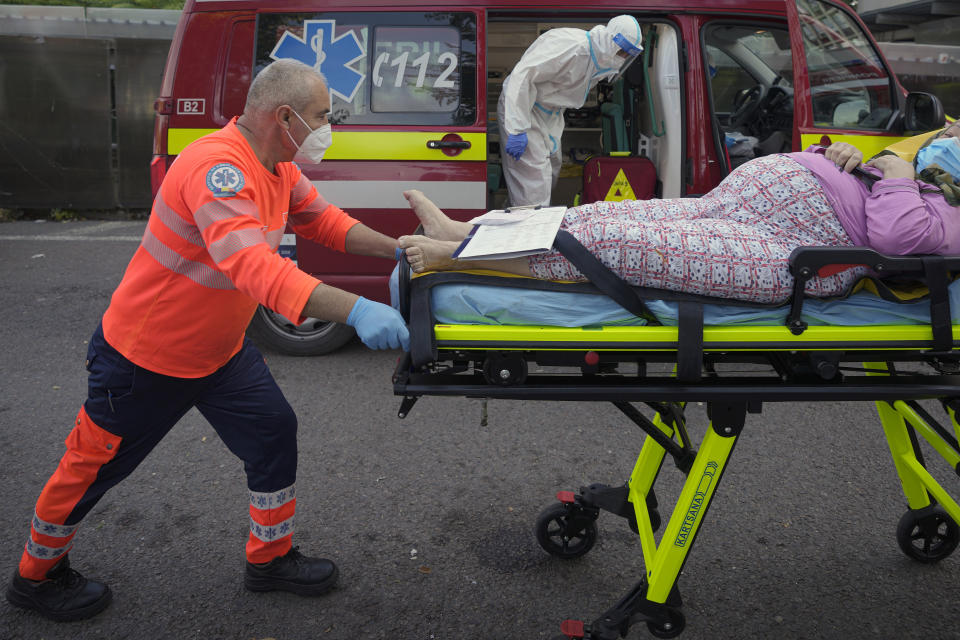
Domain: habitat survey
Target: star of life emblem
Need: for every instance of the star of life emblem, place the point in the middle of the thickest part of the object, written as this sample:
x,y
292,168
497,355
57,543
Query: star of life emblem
x,y
224,180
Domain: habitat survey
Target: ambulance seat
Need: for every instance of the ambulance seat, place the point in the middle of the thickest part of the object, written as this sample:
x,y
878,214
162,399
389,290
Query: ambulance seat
x,y
614,131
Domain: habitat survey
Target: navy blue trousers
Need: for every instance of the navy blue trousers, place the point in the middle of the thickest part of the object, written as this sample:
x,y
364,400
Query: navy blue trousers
x,y
241,400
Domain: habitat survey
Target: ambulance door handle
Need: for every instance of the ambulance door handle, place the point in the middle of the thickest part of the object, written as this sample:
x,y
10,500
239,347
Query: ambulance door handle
x,y
448,144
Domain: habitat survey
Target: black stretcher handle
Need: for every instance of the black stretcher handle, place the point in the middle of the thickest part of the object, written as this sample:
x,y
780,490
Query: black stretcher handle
x,y
805,262
414,302
403,288
934,271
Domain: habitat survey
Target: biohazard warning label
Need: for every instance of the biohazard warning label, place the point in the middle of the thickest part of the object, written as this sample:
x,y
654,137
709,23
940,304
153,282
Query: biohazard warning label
x,y
620,189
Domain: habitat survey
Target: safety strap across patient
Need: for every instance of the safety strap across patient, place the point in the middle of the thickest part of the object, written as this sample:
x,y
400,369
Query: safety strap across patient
x,y
600,275
690,316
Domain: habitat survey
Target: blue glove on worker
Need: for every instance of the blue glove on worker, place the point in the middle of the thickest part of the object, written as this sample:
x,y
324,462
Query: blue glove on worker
x,y
516,144
379,326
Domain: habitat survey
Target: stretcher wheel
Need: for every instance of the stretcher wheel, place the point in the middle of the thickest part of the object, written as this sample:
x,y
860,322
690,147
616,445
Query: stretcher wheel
x,y
927,535
566,531
504,369
670,629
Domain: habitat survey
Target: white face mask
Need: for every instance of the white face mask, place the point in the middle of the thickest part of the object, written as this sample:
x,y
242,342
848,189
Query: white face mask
x,y
316,143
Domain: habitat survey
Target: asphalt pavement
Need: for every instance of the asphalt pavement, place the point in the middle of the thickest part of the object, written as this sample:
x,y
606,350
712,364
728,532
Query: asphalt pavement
x,y
430,518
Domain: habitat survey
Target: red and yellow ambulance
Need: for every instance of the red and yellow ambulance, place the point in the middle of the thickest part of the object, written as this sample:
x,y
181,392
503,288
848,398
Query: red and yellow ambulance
x,y
414,89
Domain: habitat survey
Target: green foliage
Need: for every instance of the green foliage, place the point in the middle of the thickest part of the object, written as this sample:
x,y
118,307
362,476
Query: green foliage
x,y
64,215
107,4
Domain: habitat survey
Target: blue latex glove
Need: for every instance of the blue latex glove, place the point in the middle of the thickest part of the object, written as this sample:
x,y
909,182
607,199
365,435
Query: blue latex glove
x,y
516,144
379,326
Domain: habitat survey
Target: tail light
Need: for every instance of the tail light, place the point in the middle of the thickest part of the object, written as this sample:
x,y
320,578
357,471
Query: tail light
x,y
158,169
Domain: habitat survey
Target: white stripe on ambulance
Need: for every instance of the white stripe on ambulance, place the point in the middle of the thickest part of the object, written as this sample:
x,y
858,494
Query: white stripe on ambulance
x,y
388,194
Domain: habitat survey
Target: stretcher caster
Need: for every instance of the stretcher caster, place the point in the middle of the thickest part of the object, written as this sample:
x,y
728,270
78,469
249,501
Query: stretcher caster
x,y
670,628
928,535
567,530
663,620
504,369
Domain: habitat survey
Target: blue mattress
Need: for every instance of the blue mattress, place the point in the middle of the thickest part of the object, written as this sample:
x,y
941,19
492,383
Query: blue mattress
x,y
485,304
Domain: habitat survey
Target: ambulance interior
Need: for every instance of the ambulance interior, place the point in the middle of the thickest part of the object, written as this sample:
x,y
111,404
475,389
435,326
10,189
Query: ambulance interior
x,y
640,114
751,89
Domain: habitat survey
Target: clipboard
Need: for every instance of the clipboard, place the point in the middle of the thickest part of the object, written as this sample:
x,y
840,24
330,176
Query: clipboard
x,y
533,232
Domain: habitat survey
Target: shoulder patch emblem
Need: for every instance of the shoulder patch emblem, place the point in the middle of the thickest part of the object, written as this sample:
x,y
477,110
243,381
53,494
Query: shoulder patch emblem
x,y
224,180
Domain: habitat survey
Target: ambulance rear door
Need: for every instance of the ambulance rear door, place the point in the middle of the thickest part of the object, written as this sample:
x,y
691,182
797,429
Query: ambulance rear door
x,y
404,92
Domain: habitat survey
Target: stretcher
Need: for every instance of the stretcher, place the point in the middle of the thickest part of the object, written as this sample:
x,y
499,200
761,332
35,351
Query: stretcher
x,y
651,370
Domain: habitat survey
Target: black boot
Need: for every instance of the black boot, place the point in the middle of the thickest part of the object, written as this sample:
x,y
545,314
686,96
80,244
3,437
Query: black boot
x,y
293,572
65,595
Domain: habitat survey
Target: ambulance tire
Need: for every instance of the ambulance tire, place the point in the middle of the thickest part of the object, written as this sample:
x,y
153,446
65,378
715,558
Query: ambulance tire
x,y
311,338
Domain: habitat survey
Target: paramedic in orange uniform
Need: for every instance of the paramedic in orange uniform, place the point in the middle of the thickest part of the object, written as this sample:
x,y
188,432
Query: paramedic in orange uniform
x,y
173,338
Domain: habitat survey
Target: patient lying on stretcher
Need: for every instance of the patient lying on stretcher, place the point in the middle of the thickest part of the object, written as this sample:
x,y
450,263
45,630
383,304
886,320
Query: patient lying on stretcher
x,y
735,241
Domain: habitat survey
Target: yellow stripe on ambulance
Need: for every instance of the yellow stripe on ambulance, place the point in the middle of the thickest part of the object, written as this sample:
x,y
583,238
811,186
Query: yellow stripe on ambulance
x,y
869,146
370,145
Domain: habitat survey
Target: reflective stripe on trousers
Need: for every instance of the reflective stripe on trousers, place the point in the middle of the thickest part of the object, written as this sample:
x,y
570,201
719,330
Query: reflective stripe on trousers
x,y
130,409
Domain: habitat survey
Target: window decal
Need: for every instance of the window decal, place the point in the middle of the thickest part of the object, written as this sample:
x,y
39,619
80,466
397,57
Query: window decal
x,y
395,68
331,56
417,68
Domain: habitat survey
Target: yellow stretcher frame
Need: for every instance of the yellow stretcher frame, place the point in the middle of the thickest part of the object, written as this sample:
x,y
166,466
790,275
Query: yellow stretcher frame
x,y
817,363
451,337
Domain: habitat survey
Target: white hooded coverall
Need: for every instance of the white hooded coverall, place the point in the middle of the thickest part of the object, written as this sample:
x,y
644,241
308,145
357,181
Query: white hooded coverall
x,y
555,73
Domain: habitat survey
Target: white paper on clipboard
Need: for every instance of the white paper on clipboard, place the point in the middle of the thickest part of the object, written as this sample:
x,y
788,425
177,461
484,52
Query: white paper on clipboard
x,y
533,233
505,216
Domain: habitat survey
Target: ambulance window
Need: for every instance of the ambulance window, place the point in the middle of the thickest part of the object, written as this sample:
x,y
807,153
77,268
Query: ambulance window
x,y
750,71
849,86
416,69
742,56
389,68
236,76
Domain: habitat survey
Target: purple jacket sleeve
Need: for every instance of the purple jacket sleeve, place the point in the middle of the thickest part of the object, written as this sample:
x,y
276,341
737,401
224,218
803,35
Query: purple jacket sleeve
x,y
901,221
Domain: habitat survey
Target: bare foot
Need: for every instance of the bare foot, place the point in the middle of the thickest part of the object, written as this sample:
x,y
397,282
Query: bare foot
x,y
429,254
435,222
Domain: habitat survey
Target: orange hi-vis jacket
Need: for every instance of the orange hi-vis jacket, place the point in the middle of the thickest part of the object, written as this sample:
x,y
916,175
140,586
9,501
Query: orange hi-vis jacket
x,y
209,256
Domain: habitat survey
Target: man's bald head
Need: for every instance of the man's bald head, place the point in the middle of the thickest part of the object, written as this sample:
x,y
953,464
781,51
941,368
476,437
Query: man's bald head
x,y
284,82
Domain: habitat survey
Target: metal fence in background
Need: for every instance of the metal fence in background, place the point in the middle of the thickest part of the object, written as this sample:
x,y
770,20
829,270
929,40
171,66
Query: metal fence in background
x,y
77,87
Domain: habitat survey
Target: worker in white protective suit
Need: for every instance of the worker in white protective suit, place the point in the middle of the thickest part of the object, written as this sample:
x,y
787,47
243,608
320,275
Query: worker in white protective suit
x,y
555,73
